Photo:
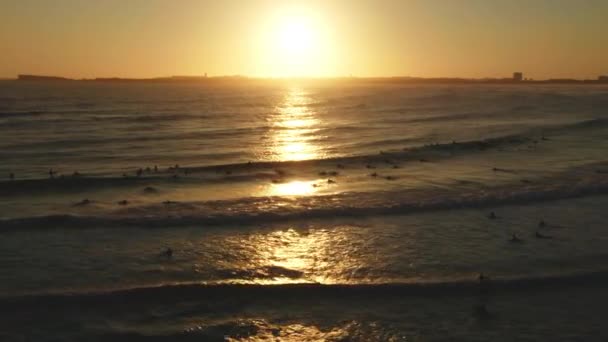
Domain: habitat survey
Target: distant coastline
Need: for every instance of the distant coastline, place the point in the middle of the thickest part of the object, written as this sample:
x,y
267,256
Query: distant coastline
x,y
400,79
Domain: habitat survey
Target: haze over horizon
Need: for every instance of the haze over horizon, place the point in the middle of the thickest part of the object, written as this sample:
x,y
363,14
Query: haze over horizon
x,y
263,38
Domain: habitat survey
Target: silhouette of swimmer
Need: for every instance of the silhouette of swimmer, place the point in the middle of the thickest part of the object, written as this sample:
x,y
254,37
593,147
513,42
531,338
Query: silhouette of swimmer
x,y
340,166
123,202
369,166
542,236
492,216
155,168
331,181
323,173
485,284
515,238
167,253
480,311
139,172
85,201
11,176
497,169
150,189
52,173
76,174
542,224
483,278
373,174
390,178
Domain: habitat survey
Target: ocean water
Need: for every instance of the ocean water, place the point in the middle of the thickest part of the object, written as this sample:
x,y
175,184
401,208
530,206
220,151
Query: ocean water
x,y
303,211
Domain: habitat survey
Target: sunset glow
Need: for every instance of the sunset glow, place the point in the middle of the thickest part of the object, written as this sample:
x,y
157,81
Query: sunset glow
x,y
262,38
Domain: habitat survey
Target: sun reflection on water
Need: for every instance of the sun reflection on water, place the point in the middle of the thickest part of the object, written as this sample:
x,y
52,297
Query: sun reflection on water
x,y
294,257
293,137
294,188
295,125
325,256
262,330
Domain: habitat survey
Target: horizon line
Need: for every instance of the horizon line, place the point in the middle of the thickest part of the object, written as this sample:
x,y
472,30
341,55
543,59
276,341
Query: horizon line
x,y
34,77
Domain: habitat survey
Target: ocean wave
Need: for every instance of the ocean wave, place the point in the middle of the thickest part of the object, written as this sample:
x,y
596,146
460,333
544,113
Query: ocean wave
x,y
21,114
82,182
591,123
63,148
161,117
439,287
78,141
234,172
259,210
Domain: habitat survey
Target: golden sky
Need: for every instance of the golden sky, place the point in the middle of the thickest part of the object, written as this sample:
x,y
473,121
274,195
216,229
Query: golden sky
x,y
427,38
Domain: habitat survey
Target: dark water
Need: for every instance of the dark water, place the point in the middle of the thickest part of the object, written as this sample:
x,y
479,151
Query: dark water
x,y
311,211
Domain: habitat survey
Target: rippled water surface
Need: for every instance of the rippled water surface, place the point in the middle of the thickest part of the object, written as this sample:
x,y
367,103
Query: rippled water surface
x,y
303,211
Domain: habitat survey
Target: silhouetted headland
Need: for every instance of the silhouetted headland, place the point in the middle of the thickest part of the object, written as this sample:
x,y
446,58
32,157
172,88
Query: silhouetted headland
x,y
41,78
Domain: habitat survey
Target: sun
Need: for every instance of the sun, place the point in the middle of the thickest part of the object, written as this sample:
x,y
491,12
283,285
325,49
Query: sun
x,y
294,43
296,37
297,44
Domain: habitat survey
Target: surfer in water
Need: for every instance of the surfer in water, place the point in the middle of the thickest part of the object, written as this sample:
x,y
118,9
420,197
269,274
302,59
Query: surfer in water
x,y
515,238
481,312
167,253
484,283
482,278
542,236
84,202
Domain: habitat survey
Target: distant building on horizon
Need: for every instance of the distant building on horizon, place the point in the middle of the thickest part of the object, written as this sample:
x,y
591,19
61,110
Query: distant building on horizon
x,y
518,76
